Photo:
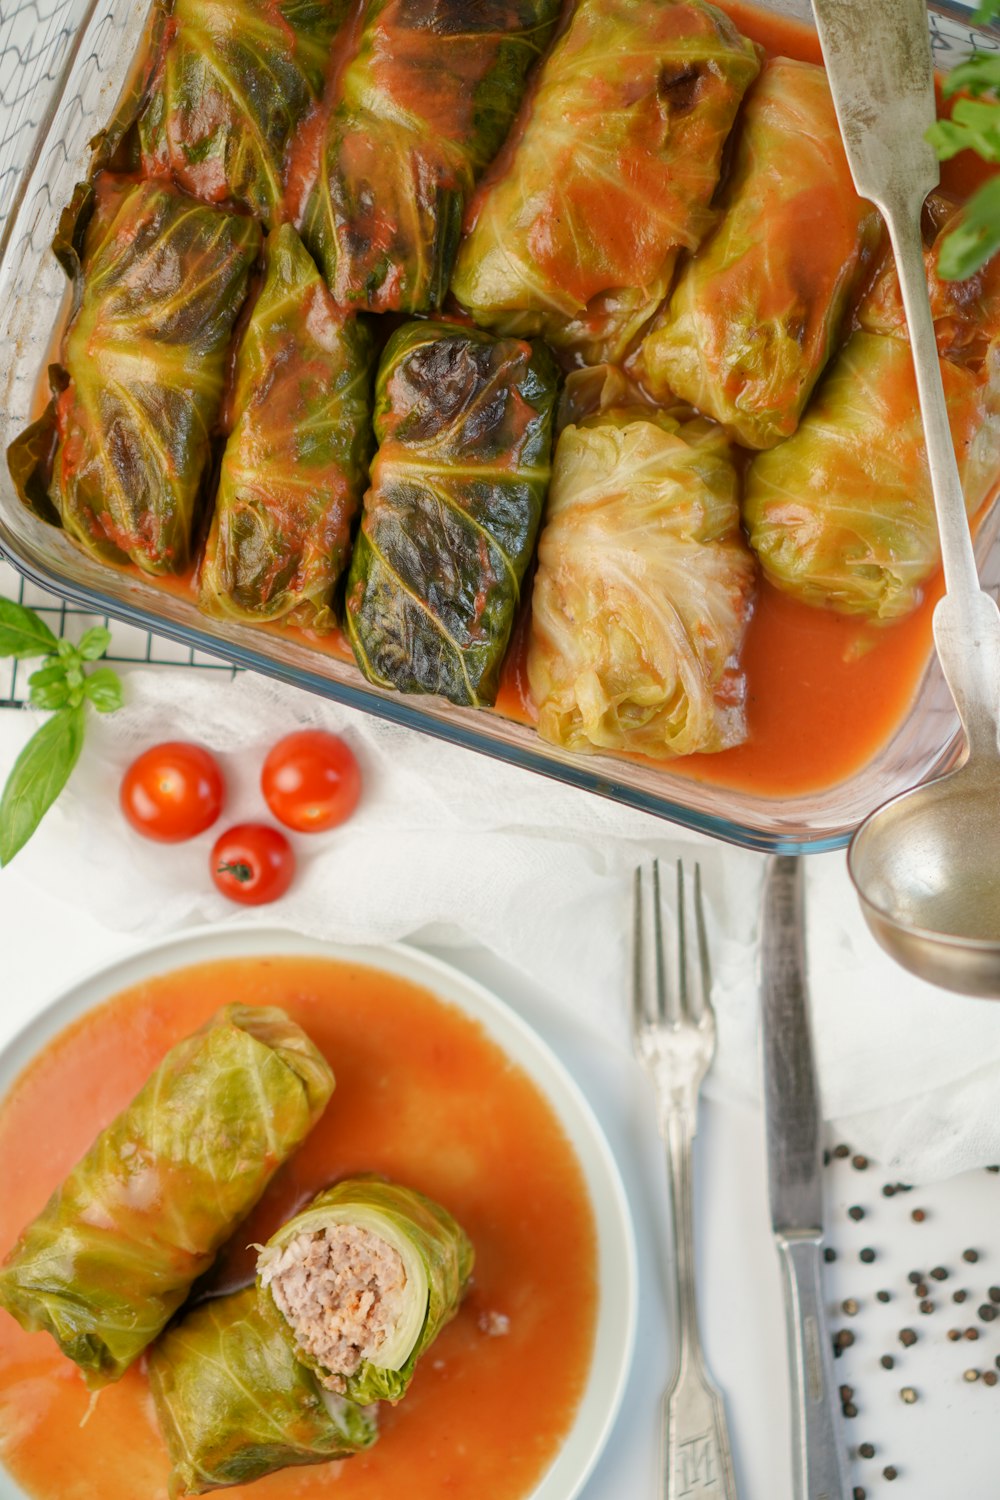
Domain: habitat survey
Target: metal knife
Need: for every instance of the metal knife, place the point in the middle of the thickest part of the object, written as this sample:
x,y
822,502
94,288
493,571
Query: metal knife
x,y
794,1160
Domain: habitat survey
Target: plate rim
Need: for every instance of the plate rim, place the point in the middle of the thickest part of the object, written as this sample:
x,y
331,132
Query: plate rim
x,y
617,1315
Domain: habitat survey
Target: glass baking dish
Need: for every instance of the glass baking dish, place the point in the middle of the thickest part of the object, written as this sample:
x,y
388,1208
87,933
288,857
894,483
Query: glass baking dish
x,y
93,47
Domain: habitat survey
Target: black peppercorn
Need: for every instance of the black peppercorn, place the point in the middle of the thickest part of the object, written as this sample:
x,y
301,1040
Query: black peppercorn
x,y
939,1273
971,1256
882,1296
867,1256
987,1312
887,1361
890,1472
959,1296
972,1333
918,1216
867,1450
926,1305
829,1255
907,1337
856,1213
841,1151
915,1278
990,1378
859,1163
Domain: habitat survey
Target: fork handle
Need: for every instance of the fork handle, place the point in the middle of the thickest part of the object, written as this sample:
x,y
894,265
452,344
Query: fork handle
x,y
819,1469
696,1459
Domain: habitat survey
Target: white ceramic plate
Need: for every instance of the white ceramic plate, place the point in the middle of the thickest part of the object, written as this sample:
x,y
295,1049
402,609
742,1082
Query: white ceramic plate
x,y
616,1317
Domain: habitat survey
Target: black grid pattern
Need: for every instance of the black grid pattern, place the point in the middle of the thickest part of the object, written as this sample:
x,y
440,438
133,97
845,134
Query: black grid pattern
x,y
129,643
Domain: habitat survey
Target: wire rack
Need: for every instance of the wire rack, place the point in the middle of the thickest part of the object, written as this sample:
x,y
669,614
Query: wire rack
x,y
35,44
35,41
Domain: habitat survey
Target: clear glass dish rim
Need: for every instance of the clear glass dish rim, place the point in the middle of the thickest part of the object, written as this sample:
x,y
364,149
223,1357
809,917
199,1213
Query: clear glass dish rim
x,y
596,778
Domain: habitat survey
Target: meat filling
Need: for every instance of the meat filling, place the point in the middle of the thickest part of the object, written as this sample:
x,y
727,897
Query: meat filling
x,y
342,1290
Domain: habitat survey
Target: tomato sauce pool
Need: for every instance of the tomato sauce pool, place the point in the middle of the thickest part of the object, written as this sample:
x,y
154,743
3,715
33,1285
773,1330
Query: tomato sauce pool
x,y
423,1096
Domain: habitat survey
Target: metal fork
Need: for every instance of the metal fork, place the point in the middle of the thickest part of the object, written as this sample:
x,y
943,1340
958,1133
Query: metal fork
x,y
674,1039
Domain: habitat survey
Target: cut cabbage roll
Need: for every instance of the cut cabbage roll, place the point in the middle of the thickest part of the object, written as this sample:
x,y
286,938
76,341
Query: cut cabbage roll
x,y
577,238
163,279
464,423
295,464
423,107
841,515
232,84
643,591
756,312
234,1403
116,1249
364,1280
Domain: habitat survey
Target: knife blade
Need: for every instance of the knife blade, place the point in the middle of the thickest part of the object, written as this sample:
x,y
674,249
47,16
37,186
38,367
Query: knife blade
x,y
791,1096
792,1113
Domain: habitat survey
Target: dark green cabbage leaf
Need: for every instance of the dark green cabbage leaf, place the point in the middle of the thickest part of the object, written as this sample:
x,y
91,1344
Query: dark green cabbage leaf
x,y
578,236
234,1403
424,105
295,463
115,1251
644,589
464,425
437,1259
232,85
163,280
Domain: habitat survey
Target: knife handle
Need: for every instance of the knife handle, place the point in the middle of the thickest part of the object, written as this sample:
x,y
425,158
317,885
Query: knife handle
x,y
819,1466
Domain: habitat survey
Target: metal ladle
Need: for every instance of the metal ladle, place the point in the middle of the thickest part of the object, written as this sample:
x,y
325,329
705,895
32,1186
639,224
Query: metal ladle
x,y
926,865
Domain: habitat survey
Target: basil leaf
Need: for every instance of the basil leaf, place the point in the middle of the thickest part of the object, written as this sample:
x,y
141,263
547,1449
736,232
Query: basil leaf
x,y
979,74
22,632
104,689
975,237
40,772
49,687
987,11
94,643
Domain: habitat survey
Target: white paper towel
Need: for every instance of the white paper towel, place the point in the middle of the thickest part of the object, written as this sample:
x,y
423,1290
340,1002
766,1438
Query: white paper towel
x,y
453,847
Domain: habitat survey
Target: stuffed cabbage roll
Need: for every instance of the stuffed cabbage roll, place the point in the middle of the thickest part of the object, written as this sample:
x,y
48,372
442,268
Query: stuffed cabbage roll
x,y
755,314
643,591
842,514
232,84
234,1403
423,107
578,237
295,464
464,423
114,1252
162,281
364,1280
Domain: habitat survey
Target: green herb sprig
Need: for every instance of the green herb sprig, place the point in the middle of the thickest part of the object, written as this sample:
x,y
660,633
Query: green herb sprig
x,y
65,683
974,126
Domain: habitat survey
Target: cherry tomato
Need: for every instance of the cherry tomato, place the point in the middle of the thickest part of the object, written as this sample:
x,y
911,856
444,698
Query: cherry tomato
x,y
311,781
253,864
172,792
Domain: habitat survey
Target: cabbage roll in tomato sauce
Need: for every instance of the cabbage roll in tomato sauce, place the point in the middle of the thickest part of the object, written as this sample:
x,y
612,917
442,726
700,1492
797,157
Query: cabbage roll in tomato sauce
x,y
234,1403
841,515
577,236
161,284
232,84
366,1235
115,1251
295,464
422,107
464,424
644,589
757,311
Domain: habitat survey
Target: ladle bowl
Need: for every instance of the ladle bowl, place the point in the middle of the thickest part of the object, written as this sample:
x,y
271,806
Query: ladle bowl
x,y
927,873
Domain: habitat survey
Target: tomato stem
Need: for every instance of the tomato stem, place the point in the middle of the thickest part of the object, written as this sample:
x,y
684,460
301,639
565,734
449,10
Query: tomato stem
x,y
238,870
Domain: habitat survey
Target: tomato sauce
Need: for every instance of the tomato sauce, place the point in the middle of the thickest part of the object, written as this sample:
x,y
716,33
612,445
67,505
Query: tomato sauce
x,y
424,1096
824,692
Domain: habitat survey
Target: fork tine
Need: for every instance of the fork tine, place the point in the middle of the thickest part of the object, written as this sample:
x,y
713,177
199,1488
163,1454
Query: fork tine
x,y
684,989
704,962
638,1002
666,1000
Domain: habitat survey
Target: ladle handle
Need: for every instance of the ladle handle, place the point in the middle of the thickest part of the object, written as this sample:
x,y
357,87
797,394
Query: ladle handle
x,y
881,72
967,620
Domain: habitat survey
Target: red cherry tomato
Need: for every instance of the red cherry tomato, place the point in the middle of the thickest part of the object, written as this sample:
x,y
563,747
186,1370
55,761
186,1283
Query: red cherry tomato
x,y
253,864
172,792
311,781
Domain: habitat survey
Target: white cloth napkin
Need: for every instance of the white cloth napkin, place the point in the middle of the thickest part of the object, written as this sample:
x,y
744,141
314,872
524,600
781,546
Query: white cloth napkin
x,y
452,847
